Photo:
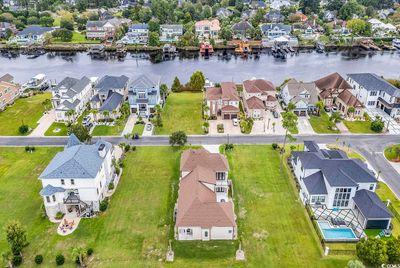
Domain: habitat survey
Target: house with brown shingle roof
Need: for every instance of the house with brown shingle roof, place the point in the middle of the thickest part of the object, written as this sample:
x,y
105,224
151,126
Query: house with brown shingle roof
x,y
303,95
259,96
204,210
223,101
335,91
9,91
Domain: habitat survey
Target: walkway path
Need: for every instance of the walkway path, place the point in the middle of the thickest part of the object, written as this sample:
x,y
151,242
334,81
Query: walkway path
x,y
44,123
130,123
343,129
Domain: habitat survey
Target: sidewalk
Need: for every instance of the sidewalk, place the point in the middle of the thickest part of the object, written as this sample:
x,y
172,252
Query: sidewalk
x,y
44,123
130,123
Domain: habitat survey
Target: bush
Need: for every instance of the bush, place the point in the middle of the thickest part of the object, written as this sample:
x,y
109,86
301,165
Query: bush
x,y
377,125
104,205
117,170
59,215
228,147
23,129
274,146
133,148
111,186
16,260
89,251
60,259
220,128
38,259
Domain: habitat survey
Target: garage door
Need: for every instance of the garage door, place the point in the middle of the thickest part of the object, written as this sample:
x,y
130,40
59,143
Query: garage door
x,y
377,224
227,116
233,116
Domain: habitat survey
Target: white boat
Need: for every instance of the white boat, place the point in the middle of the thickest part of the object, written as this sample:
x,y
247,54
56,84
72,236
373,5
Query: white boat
x,y
39,82
396,43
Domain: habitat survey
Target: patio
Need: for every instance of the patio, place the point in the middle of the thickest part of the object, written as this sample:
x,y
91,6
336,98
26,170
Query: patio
x,y
68,224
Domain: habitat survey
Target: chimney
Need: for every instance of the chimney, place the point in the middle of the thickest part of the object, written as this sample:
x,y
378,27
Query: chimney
x,y
102,150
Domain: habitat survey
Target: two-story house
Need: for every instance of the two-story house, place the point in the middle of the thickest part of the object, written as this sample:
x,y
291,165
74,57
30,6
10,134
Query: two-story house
x,y
375,92
137,34
170,32
71,94
144,94
329,179
103,30
32,34
6,27
207,29
109,94
223,101
334,91
258,96
9,91
303,95
204,210
76,178
275,30
242,30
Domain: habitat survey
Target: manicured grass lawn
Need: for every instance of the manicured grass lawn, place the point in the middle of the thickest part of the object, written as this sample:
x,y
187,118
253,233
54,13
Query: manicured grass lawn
x,y
63,130
321,124
138,128
24,110
77,38
359,126
116,130
350,153
384,192
390,153
183,111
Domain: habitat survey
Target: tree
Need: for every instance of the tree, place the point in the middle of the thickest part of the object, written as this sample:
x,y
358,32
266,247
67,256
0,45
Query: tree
x,y
309,6
154,39
377,125
393,249
32,20
81,132
335,117
335,4
289,121
319,105
164,91
350,8
46,21
355,264
46,104
372,251
351,111
357,26
226,33
154,25
16,237
62,34
291,106
197,81
67,23
69,114
178,138
176,85
23,129
79,253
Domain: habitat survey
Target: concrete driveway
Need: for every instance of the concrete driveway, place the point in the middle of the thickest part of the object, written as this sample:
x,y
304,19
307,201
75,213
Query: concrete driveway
x,y
304,126
148,132
44,123
229,128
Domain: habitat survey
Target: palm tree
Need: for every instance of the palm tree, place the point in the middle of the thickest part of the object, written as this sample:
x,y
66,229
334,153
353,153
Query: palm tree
x,y
106,114
95,112
351,111
114,112
291,106
69,114
289,121
319,105
80,253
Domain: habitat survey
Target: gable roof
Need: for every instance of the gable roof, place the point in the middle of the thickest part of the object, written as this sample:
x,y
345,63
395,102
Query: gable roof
x,y
112,102
139,26
258,86
229,91
296,88
50,190
270,26
242,26
110,82
200,157
35,30
96,23
332,81
315,184
372,81
7,78
254,103
371,206
349,99
145,81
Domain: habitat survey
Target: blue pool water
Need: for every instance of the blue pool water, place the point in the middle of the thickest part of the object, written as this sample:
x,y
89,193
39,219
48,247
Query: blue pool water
x,y
331,233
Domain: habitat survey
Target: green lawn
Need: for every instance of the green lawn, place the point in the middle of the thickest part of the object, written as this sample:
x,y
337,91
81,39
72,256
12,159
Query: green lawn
x,y
77,38
183,111
321,124
359,126
115,130
138,128
391,153
51,131
350,153
24,110
384,192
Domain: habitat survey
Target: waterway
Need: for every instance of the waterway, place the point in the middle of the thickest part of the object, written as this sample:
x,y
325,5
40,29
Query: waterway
x,y
305,66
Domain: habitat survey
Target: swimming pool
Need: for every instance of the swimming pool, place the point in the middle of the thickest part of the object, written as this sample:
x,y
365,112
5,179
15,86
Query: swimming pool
x,y
331,233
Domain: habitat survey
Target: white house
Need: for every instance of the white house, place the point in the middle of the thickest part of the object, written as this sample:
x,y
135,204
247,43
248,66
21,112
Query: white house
x,y
275,30
170,32
32,34
329,179
76,179
379,26
144,94
375,92
303,95
207,29
204,210
137,34
71,94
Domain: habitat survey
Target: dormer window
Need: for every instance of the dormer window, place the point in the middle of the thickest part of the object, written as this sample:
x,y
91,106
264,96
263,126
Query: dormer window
x,y
220,176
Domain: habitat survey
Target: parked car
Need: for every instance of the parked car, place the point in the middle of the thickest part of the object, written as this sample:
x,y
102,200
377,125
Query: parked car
x,y
334,109
275,114
235,121
327,109
148,127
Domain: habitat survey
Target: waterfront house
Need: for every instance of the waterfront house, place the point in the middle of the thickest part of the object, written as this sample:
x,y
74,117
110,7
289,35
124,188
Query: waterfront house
x,y
384,13
302,95
207,29
223,101
109,94
144,94
242,30
9,91
103,30
258,96
71,94
6,27
274,16
334,91
170,32
331,181
374,92
76,179
274,30
32,34
204,210
137,34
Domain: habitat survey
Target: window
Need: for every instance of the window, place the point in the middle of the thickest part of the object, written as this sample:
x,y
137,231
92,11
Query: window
x,y
373,93
100,185
342,197
142,95
72,182
220,189
62,182
48,199
54,198
371,103
317,199
97,191
189,232
371,187
230,231
220,176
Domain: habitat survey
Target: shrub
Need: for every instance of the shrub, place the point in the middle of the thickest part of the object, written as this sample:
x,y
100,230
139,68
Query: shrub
x,y
23,129
377,125
89,251
220,128
274,146
59,215
111,186
104,205
228,147
17,260
133,148
117,170
38,259
127,148
60,259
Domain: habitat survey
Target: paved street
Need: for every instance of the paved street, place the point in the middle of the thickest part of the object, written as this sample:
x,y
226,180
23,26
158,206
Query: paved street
x,y
370,146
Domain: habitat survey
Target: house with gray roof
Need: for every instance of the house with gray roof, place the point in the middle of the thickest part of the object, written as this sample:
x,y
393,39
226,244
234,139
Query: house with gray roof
x,y
71,94
274,16
102,30
242,29
374,92
76,179
32,34
144,94
137,34
275,30
170,32
330,180
109,94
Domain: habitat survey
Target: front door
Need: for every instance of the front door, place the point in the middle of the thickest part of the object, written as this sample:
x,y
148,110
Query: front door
x,y
205,235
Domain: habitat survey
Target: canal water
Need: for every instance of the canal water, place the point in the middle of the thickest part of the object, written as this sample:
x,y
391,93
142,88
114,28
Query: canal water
x,y
304,66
